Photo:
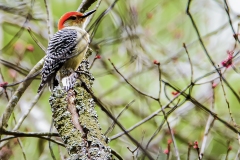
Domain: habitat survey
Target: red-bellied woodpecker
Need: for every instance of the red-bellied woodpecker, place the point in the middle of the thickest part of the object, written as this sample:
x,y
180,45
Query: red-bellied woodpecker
x,y
66,49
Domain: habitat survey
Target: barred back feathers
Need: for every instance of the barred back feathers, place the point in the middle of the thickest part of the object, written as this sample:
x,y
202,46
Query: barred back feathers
x,y
61,47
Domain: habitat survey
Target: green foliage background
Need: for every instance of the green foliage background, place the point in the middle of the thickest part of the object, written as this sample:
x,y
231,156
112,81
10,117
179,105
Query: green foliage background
x,y
133,35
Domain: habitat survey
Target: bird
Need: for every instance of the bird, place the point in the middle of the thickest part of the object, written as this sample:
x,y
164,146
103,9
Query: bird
x,y
66,50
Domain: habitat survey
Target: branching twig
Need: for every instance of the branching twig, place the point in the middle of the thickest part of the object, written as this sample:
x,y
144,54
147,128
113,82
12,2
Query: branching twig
x,y
17,95
165,116
198,104
113,123
21,29
156,113
35,40
116,121
156,99
206,52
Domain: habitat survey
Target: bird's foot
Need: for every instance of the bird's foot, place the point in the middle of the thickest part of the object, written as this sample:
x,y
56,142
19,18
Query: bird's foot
x,y
69,81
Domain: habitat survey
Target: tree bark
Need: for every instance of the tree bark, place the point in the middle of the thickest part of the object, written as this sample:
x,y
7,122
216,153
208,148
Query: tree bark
x,y
76,120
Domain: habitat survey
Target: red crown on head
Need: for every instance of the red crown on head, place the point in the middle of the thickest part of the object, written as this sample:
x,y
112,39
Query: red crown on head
x,y
65,17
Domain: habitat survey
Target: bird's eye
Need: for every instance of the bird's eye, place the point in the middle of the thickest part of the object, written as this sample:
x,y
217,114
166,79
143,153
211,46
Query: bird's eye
x,y
73,18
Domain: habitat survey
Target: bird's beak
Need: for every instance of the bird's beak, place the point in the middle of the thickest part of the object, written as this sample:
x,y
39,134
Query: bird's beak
x,y
88,13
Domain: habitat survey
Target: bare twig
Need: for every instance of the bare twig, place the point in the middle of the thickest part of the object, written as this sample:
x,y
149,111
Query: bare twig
x,y
49,143
41,137
229,19
228,105
17,95
228,150
156,113
156,99
48,20
18,139
206,52
91,16
165,116
32,104
85,5
113,123
20,121
116,154
100,104
190,62
198,104
35,40
209,125
28,134
21,29
21,146
4,88
161,125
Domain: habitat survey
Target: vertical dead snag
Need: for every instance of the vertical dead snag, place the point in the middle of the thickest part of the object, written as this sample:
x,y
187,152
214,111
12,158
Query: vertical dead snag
x,y
76,120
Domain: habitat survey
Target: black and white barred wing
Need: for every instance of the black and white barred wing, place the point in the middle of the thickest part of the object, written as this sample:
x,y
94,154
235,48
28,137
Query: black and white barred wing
x,y
60,49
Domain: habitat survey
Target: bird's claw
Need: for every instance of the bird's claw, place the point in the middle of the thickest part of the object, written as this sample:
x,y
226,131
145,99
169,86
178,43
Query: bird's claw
x,y
68,82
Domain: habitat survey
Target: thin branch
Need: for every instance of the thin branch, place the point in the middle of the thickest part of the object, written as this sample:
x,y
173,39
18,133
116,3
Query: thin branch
x,y
95,25
113,123
209,125
20,121
198,104
156,113
85,5
228,105
189,59
116,154
91,16
160,84
229,19
21,146
206,52
101,105
27,134
41,137
18,139
164,114
35,40
48,21
49,143
4,88
17,95
161,125
156,99
19,33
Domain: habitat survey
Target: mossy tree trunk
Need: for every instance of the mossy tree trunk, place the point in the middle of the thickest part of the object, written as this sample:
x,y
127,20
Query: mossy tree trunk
x,y
76,120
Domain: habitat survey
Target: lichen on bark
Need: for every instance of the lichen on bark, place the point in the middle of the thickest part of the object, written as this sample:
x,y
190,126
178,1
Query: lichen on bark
x,y
76,119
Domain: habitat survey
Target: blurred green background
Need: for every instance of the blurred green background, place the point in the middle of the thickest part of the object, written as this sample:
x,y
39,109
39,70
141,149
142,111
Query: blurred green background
x,y
133,35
